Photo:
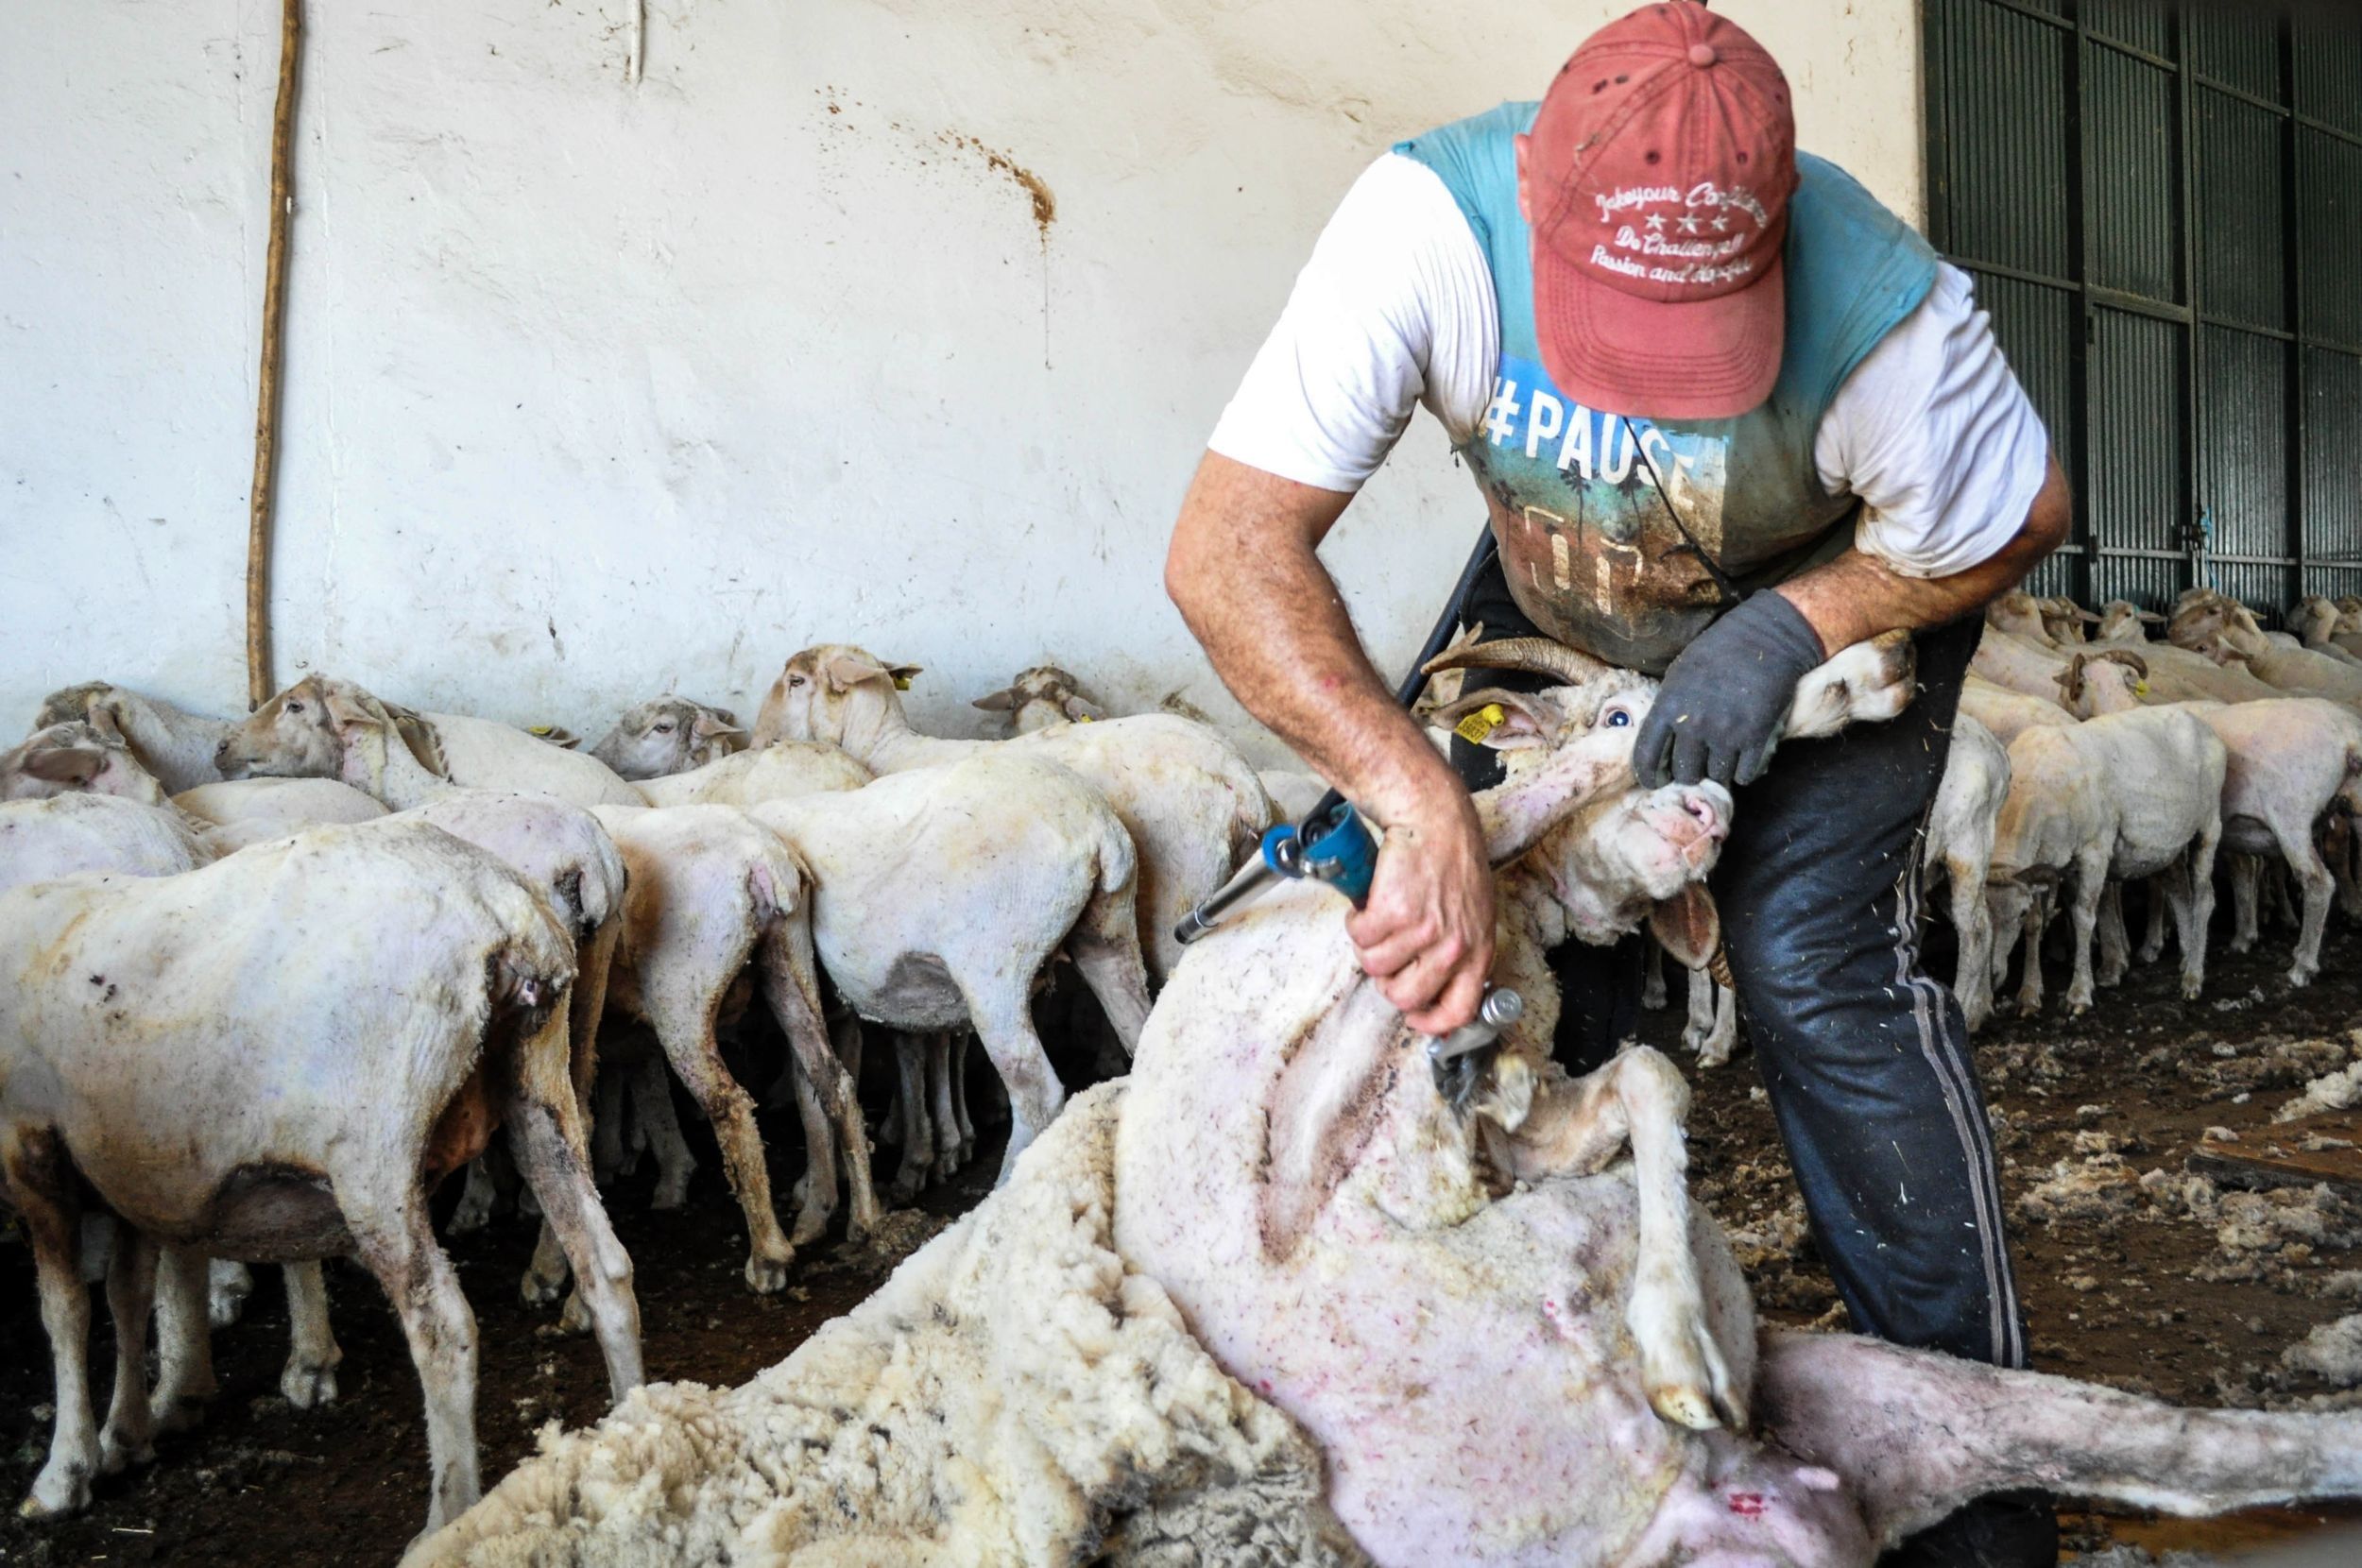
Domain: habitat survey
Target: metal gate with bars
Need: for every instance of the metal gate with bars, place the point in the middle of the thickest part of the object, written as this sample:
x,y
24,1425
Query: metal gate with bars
x,y
2161,207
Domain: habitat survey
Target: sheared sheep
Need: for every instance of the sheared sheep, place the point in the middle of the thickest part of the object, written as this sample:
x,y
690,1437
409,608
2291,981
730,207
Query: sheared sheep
x,y
292,736
1190,803
172,743
668,735
195,1060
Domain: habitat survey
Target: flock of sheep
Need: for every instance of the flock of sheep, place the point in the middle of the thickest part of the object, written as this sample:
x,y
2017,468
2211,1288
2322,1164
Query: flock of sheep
x,y
275,978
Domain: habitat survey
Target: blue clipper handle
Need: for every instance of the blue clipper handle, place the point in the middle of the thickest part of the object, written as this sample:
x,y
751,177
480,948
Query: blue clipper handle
x,y
1342,853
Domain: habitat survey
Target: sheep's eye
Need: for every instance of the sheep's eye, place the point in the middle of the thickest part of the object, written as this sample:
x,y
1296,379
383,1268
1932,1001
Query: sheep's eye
x,y
794,680
1618,719
295,707
664,729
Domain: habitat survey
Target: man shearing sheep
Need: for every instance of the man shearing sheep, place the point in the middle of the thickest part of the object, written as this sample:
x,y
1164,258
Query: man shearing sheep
x,y
1729,415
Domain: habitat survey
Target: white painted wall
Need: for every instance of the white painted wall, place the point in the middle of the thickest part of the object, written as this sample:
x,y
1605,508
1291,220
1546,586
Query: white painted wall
x,y
596,390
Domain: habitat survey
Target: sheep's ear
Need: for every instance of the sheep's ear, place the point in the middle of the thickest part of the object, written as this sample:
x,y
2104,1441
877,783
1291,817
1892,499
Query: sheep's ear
x,y
1689,926
1501,721
903,674
425,743
2148,618
104,718
846,671
997,702
351,709
72,766
2082,614
1083,710
712,724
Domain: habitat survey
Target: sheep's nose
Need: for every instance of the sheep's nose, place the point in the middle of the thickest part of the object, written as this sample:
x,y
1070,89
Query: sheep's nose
x,y
1702,806
221,752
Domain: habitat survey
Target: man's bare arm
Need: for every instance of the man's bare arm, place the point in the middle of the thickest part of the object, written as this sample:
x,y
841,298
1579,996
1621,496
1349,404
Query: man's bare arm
x,y
1857,596
1244,573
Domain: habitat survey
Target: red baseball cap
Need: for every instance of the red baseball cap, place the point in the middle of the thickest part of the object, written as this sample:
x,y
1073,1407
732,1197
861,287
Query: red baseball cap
x,y
1656,180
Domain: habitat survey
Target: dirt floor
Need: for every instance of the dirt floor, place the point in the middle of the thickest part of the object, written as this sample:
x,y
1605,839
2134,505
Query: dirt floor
x,y
2134,1275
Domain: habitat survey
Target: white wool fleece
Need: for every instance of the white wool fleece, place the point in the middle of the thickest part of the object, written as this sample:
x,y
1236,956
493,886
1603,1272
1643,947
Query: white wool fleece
x,y
1013,1394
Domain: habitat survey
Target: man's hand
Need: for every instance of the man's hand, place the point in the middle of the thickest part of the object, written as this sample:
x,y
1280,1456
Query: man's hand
x,y
1718,713
1425,935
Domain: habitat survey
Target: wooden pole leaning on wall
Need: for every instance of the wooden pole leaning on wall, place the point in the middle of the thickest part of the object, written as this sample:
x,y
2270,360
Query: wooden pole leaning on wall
x,y
258,675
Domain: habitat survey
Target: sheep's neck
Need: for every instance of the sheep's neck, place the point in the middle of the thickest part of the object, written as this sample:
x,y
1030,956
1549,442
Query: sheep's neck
x,y
173,743
888,744
387,770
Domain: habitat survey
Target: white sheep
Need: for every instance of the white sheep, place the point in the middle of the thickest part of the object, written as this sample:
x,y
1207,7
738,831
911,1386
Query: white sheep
x,y
277,1056
1192,805
666,735
286,738
173,743
2222,629
941,892
779,771
2125,794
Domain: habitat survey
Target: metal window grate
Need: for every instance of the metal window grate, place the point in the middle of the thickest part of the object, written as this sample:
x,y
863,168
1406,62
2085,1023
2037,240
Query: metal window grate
x,y
2161,205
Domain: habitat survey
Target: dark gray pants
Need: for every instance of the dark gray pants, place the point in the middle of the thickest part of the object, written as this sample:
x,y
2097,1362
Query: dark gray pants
x,y
1865,1058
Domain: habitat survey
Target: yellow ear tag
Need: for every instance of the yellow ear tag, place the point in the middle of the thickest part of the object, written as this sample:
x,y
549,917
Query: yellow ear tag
x,y
1082,718
1483,721
540,730
2140,688
901,683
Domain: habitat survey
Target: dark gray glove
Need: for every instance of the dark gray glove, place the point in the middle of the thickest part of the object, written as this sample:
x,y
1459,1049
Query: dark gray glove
x,y
1718,714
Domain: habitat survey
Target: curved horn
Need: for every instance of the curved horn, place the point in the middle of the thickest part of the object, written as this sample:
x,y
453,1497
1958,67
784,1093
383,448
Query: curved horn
x,y
2129,659
1536,655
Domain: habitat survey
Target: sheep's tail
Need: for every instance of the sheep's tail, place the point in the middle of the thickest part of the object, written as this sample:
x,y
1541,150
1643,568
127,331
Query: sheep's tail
x,y
1915,1435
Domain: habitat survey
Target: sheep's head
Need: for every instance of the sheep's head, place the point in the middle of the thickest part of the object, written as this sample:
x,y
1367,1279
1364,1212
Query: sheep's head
x,y
69,703
76,756
2019,612
2065,619
2349,614
2314,619
2120,621
325,728
668,735
1040,697
835,693
2216,627
2109,681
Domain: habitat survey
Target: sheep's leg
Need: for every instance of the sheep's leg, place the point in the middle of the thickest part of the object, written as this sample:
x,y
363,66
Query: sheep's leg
x,y
696,1057
910,1112
2275,884
129,1437
554,1167
608,1155
652,1105
309,1379
2193,912
396,1241
2343,851
2085,913
1652,992
2035,918
2313,876
1700,1021
1105,946
958,1065
184,1347
939,1105
2153,945
1973,921
791,984
40,1185
2246,871
1639,1101
475,1203
228,1285
1915,1435
1004,1023
2115,946
819,1157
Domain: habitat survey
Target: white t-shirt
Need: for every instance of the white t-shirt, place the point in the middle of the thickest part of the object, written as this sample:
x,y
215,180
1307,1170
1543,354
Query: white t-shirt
x,y
1395,308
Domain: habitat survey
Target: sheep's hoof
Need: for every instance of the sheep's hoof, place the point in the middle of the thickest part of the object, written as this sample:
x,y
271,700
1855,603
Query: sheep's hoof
x,y
767,1276
308,1387
2300,977
2192,987
225,1304
60,1489
468,1219
540,1290
812,1223
177,1412
577,1318
116,1455
670,1194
